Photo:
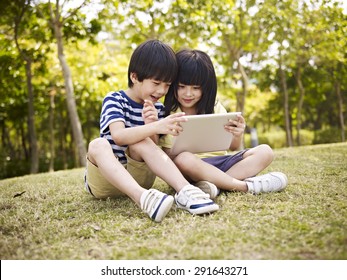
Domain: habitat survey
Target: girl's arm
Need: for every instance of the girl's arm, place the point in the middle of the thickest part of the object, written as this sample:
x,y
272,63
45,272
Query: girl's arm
x,y
237,128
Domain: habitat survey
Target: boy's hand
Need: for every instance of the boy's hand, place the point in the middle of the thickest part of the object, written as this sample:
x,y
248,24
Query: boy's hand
x,y
149,112
236,127
171,124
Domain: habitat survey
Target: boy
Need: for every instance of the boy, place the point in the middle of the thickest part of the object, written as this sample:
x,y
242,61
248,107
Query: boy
x,y
126,158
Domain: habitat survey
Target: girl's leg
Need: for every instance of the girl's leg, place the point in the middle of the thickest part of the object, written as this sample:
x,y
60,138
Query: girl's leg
x,y
197,170
254,161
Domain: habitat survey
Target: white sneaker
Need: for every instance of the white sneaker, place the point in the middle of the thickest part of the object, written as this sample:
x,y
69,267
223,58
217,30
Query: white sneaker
x,y
195,201
156,204
209,188
270,182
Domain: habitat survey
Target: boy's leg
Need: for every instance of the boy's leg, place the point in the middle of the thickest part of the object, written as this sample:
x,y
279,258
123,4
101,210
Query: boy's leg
x,y
187,197
158,162
153,202
100,154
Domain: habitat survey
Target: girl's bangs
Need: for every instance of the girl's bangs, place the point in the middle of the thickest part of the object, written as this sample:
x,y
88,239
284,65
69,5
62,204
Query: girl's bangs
x,y
192,74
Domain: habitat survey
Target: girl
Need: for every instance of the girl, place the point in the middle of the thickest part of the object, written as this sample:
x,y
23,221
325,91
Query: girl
x,y
194,92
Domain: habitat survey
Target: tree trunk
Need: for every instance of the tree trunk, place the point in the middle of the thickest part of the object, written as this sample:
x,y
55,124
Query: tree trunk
x,y
51,130
300,104
340,104
234,54
34,158
62,143
70,98
286,105
23,154
6,141
242,100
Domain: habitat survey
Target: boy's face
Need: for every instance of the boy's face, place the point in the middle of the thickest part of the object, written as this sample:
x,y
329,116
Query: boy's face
x,y
188,96
150,89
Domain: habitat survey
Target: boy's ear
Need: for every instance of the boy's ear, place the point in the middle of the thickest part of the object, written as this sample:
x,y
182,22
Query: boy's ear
x,y
133,78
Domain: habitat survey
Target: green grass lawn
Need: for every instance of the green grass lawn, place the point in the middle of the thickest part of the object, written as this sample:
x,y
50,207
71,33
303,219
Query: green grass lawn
x,y
54,218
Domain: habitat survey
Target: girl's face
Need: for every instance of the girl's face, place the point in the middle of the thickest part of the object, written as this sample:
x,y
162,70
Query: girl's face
x,y
188,96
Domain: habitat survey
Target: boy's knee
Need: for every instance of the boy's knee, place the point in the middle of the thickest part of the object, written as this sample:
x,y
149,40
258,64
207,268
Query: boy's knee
x,y
97,144
185,159
145,144
138,150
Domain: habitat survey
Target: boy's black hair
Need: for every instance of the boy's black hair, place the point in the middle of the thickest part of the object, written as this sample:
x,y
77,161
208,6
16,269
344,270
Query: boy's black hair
x,y
194,68
155,60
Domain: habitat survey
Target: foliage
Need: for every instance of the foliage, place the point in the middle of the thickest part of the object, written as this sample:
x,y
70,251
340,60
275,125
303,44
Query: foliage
x,y
50,216
243,39
328,135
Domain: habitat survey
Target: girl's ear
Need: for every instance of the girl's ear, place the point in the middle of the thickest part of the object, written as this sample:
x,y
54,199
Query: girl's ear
x,y
133,78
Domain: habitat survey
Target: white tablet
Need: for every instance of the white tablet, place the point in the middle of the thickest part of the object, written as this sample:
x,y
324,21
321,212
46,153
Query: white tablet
x,y
204,133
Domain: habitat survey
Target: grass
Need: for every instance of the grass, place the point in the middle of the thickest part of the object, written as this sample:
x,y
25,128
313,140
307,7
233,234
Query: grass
x,y
49,216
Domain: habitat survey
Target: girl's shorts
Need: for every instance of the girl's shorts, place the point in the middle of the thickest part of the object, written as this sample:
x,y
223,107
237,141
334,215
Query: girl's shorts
x,y
225,162
99,187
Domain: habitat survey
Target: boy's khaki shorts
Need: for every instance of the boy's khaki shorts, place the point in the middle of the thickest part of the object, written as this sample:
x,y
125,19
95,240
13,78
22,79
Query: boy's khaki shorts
x,y
101,188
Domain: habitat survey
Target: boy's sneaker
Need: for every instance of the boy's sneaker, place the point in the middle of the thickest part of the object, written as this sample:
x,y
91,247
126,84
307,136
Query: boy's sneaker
x,y
195,201
209,188
270,182
156,204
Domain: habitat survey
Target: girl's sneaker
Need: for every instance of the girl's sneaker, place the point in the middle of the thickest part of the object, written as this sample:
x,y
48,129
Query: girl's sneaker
x,y
156,204
195,201
270,182
209,188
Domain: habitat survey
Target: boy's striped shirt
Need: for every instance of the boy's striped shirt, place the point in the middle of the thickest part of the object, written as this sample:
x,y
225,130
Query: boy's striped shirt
x,y
117,106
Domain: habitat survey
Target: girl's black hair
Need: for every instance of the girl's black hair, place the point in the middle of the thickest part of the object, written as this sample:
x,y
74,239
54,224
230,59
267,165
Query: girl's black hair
x,y
153,59
194,68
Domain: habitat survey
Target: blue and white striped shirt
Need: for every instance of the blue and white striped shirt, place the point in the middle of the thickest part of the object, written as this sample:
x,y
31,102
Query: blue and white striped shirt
x,y
117,106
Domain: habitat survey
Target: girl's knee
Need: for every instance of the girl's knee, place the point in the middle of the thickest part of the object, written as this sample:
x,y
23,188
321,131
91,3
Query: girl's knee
x,y
266,152
262,152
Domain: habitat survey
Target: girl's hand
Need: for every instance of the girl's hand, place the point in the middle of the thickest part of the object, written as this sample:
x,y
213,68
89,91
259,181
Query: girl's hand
x,y
149,112
171,124
236,127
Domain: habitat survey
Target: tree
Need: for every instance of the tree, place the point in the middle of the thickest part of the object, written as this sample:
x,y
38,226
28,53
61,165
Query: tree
x,y
334,39
27,39
57,22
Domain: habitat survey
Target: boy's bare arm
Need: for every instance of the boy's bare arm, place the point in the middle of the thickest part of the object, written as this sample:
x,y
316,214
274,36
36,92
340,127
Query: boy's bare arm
x,y
149,115
132,135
